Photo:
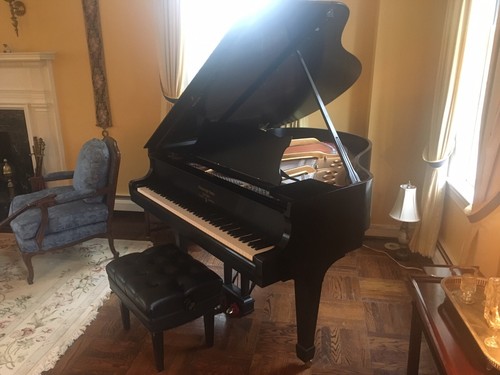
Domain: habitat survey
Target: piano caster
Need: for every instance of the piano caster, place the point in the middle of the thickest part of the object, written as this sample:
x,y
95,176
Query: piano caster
x,y
233,310
237,304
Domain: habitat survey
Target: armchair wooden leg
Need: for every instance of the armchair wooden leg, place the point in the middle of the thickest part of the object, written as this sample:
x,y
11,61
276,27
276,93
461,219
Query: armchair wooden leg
x,y
111,242
27,261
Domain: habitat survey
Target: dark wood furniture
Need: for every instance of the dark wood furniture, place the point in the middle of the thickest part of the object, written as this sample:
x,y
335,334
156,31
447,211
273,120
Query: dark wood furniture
x,y
216,174
165,287
4,199
452,346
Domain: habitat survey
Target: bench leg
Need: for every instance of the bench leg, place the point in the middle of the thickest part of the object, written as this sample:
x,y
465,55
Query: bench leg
x,y
208,320
158,349
125,316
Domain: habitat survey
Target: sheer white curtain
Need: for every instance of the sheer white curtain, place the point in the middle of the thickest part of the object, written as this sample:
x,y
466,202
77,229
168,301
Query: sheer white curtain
x,y
170,51
188,32
487,192
440,144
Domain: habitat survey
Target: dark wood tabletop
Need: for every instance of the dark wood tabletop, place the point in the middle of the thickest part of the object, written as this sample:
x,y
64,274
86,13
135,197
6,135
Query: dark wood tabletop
x,y
451,344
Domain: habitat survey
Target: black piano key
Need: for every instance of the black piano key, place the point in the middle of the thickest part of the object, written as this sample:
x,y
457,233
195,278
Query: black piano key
x,y
230,226
222,220
208,214
250,237
237,233
260,243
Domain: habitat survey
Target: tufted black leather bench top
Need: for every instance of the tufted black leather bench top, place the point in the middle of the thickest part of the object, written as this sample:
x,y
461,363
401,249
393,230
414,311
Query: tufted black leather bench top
x,y
163,280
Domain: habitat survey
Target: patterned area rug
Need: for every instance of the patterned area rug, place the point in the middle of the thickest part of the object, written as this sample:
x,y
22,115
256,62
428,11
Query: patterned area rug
x,y
39,322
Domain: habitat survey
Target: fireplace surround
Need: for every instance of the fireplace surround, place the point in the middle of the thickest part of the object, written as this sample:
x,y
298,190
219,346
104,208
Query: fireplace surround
x,y
27,84
28,108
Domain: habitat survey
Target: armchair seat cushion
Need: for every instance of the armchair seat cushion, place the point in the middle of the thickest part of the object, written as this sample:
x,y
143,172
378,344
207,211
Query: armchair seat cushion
x,y
61,239
62,217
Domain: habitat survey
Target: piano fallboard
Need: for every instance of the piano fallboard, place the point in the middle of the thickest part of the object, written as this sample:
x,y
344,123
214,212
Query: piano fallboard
x,y
161,196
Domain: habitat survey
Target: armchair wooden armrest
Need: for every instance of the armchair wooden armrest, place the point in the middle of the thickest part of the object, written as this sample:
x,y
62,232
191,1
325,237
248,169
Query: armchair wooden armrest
x,y
46,202
40,182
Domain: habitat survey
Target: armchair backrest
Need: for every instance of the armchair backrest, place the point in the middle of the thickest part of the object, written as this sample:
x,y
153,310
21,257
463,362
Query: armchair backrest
x,y
92,167
97,168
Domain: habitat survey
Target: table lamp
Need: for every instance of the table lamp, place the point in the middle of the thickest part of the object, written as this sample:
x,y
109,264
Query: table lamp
x,y
404,210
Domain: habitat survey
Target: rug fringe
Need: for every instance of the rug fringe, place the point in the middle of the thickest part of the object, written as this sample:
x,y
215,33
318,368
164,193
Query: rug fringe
x,y
54,355
43,320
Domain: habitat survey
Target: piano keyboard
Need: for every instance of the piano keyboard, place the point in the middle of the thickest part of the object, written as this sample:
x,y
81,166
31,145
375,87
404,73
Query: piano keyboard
x,y
231,234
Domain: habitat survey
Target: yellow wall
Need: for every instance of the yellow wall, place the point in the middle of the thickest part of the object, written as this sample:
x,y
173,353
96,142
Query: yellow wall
x,y
351,111
457,230
129,42
406,59
393,114
128,34
405,66
397,42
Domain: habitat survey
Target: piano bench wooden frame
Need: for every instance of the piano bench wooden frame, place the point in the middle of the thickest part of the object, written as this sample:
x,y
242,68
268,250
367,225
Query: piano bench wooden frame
x,y
140,283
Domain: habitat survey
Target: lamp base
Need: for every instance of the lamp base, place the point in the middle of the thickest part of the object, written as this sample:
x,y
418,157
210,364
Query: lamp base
x,y
401,252
392,246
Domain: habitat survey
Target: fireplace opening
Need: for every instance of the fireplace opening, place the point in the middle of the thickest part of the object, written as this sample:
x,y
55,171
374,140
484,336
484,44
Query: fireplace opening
x,y
15,148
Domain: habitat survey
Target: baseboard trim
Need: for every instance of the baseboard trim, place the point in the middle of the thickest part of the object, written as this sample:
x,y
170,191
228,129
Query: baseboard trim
x,y
384,231
123,203
441,257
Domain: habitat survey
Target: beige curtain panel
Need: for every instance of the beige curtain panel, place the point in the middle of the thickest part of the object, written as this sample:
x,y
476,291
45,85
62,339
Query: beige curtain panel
x,y
170,49
440,145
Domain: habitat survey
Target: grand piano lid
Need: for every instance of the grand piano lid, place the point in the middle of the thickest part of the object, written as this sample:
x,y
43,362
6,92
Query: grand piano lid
x,y
254,79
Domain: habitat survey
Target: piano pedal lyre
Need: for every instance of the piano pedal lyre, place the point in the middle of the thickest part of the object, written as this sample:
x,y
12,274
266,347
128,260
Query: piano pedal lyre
x,y
238,301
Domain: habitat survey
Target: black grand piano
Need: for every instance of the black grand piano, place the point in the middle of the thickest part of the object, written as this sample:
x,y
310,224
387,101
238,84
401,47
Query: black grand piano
x,y
273,202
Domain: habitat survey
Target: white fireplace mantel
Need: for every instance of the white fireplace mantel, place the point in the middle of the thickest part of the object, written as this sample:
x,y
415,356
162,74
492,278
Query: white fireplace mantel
x,y
27,83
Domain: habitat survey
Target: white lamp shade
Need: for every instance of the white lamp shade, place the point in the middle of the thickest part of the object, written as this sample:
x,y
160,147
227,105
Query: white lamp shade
x,y
405,208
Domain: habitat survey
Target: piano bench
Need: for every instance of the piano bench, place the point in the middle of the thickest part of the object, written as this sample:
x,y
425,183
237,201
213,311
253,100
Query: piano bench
x,y
165,287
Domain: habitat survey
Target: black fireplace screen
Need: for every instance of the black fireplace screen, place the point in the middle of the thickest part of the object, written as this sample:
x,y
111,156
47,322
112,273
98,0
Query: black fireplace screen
x,y
15,148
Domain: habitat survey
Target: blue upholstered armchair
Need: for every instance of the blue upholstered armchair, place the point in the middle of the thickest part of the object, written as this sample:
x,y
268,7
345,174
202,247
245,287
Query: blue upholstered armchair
x,y
62,216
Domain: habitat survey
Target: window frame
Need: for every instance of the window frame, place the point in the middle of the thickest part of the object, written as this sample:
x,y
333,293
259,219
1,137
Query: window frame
x,y
465,154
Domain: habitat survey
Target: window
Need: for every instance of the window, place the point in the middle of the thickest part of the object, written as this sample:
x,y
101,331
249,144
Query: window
x,y
204,24
468,109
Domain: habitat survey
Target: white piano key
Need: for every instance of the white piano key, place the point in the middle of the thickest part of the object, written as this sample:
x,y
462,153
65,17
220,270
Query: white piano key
x,y
213,231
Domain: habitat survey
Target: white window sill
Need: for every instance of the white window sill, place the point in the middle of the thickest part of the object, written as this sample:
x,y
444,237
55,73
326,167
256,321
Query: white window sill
x,y
455,193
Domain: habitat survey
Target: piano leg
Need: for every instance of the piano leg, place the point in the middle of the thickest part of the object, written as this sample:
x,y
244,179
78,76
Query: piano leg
x,y
239,295
182,242
307,299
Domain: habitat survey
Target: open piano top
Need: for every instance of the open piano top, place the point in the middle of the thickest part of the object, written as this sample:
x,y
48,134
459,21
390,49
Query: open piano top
x,y
219,158
254,81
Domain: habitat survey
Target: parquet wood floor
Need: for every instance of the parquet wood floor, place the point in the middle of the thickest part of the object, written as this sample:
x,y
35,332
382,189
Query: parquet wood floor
x,y
363,328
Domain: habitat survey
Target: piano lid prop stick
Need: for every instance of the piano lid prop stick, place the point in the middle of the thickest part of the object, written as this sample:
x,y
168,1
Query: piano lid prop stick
x,y
353,176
